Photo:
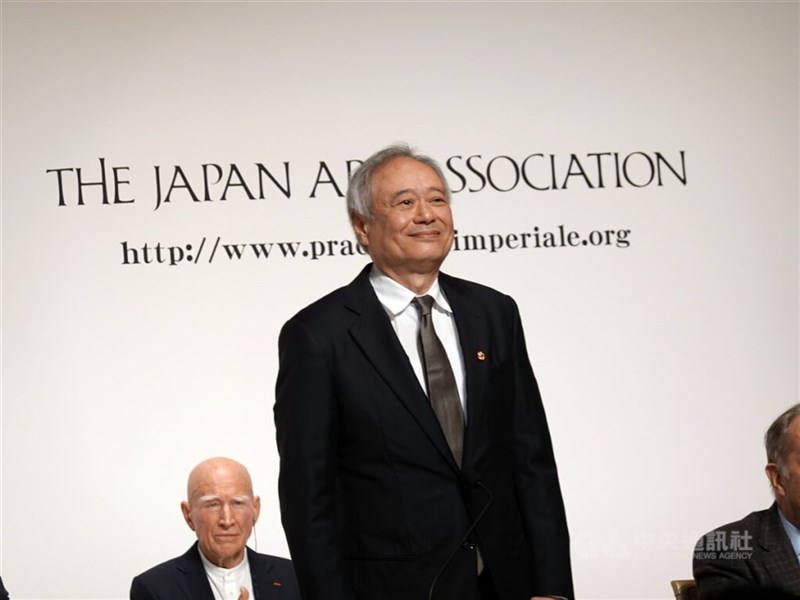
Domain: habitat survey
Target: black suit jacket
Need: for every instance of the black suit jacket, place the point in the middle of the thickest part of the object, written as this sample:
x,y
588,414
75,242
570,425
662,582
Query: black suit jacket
x,y
763,558
372,502
185,578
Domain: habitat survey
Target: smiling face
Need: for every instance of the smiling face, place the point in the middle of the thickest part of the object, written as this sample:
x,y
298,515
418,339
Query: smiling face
x,y
221,510
411,229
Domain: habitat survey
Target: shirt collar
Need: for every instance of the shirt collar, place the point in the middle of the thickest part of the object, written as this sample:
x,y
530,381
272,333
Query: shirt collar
x,y
218,571
395,297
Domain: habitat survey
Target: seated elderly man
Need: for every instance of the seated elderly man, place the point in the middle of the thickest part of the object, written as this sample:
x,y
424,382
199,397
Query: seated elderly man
x,y
222,510
759,554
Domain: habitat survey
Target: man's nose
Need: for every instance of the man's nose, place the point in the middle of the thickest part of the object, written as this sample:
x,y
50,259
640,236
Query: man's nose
x,y
424,212
226,515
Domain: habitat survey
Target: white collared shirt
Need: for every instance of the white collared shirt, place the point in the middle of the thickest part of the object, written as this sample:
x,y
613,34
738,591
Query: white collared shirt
x,y
226,583
396,300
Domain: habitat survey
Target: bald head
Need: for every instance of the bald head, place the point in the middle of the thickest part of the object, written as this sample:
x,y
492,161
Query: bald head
x,y
221,509
213,468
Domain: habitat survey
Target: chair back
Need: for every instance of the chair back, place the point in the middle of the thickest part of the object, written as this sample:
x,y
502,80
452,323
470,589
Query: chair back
x,y
684,589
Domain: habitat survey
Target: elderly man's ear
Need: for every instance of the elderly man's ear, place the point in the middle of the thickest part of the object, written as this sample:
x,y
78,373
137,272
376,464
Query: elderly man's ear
x,y
774,476
187,514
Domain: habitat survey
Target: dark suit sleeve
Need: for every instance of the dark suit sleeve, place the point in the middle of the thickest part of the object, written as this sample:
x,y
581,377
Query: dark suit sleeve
x,y
716,577
305,421
139,591
537,483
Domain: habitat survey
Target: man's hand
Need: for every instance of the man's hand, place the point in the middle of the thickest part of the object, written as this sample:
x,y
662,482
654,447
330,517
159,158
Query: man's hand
x,y
243,594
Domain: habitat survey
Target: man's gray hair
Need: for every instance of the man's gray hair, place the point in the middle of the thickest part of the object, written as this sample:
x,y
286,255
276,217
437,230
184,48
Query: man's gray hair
x,y
776,441
359,191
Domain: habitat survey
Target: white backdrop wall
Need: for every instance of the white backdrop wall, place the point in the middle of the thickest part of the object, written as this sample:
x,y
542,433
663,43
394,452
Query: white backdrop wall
x,y
135,342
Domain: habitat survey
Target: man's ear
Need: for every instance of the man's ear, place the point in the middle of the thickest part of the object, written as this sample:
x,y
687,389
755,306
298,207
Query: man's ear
x,y
774,476
256,508
187,514
361,228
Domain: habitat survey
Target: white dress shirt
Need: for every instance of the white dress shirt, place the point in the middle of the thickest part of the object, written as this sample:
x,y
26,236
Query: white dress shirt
x,y
396,300
226,583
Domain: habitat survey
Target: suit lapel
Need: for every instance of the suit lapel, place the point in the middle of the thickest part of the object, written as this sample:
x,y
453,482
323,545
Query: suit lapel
x,y
194,583
373,334
265,587
473,337
780,560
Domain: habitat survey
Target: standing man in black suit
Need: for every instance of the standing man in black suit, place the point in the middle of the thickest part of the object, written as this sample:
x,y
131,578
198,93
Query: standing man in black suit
x,y
759,554
221,509
416,460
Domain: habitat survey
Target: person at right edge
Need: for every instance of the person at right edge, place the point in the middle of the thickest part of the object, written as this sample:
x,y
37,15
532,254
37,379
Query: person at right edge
x,y
757,557
416,460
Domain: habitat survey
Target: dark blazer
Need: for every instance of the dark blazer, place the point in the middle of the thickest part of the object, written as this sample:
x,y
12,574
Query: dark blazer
x,y
185,578
372,501
762,558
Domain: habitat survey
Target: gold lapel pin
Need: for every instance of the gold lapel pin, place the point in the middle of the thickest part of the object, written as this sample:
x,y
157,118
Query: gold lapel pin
x,y
481,355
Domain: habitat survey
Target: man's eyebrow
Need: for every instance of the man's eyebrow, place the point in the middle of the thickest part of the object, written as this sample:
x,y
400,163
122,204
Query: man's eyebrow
x,y
432,188
211,497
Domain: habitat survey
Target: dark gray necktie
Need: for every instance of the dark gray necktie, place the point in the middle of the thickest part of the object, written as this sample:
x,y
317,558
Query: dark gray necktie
x,y
442,388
